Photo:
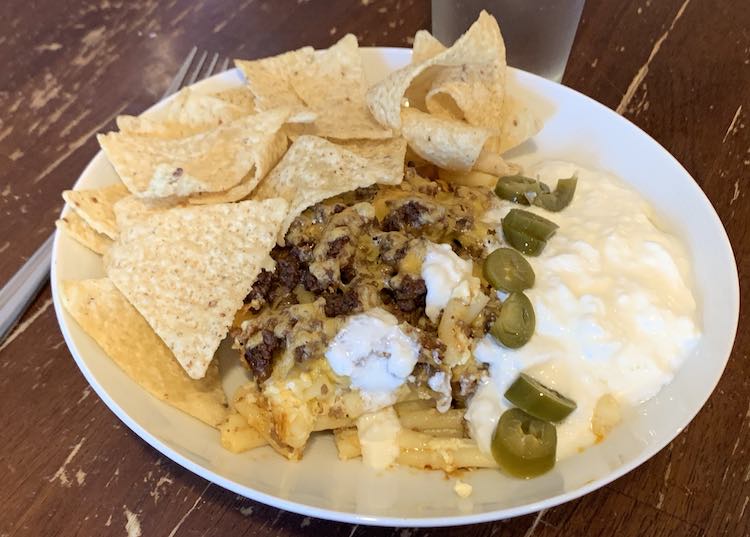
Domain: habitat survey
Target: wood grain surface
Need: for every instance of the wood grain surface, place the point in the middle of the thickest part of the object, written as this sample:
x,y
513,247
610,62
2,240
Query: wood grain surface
x,y
679,69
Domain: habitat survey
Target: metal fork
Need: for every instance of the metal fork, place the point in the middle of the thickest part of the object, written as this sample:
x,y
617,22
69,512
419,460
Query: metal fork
x,y
24,285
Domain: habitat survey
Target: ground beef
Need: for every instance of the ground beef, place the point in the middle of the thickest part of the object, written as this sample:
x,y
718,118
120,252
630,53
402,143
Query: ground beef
x,y
289,268
341,302
366,193
311,283
410,295
464,223
347,274
393,246
301,353
432,347
408,215
260,357
262,288
336,245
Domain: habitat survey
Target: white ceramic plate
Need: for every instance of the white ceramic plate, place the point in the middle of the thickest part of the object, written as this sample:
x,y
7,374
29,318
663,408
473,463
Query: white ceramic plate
x,y
576,128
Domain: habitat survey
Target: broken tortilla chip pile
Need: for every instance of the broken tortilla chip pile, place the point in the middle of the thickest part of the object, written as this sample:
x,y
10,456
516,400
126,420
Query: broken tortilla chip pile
x,y
211,182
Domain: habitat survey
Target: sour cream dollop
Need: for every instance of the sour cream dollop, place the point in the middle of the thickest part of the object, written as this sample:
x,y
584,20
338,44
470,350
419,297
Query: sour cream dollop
x,y
614,310
446,276
376,354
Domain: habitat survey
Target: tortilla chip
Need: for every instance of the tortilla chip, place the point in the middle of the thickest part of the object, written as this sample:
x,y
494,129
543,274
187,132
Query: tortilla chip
x,y
457,95
77,228
450,144
481,45
387,157
131,210
241,97
425,46
272,152
334,86
95,206
187,271
213,161
329,82
315,169
519,124
270,79
125,336
474,93
188,113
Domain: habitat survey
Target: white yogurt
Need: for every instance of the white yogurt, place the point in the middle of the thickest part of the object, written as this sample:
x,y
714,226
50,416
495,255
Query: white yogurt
x,y
376,354
614,311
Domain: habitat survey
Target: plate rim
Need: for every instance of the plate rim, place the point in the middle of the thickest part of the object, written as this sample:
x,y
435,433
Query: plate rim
x,y
390,521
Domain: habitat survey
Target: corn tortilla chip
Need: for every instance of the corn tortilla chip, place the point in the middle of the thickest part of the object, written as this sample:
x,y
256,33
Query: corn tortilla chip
x,y
271,79
447,143
186,114
241,97
329,82
187,271
125,336
460,95
482,44
315,169
130,210
266,160
474,93
213,161
387,157
77,228
519,124
95,206
425,46
334,86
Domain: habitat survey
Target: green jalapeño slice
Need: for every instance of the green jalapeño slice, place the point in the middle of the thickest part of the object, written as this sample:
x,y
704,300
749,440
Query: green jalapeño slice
x,y
524,446
516,321
559,199
527,232
539,400
519,189
507,270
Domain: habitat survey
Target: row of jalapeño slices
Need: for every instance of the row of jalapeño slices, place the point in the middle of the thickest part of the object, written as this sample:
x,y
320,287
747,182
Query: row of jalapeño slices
x,y
525,440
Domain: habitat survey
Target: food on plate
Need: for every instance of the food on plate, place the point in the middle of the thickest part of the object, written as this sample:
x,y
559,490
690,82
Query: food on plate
x,y
96,207
187,269
186,114
330,82
380,270
212,161
615,313
527,232
106,315
542,402
523,445
527,191
315,169
77,228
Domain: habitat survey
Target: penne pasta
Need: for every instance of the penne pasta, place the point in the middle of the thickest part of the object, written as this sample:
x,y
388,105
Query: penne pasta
x,y
431,418
238,436
326,423
347,443
420,450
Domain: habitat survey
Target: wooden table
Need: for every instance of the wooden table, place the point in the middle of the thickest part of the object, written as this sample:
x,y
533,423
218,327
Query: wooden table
x,y
680,69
